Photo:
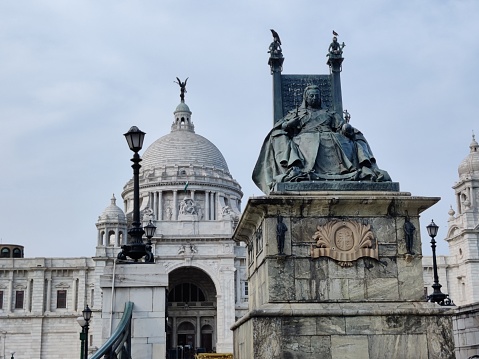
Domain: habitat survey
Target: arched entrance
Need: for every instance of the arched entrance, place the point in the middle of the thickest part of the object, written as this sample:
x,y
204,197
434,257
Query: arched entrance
x,y
191,313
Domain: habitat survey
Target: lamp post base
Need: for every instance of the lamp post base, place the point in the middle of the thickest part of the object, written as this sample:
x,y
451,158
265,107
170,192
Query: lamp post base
x,y
441,299
136,251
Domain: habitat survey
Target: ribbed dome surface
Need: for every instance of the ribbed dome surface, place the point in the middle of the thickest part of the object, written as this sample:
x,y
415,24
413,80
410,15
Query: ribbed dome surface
x,y
183,148
113,213
470,164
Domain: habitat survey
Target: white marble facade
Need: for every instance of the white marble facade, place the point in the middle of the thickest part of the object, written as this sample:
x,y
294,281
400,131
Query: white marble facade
x,y
187,191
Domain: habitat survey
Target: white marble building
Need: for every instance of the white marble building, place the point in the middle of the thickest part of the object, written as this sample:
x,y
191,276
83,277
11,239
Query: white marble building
x,y
458,272
186,190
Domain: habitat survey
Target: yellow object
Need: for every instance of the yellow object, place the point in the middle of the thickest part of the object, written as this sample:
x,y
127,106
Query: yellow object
x,y
214,355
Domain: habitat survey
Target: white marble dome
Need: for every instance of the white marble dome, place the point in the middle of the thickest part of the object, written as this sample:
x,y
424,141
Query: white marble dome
x,y
112,213
183,148
470,165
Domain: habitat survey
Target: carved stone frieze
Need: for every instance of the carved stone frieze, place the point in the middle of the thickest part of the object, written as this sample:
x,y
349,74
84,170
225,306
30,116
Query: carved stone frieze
x,y
344,241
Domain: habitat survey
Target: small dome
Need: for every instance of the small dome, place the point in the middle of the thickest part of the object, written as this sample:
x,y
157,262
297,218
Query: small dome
x,y
470,165
182,107
112,213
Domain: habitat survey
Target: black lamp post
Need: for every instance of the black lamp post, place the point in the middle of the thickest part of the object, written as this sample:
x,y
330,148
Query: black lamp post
x,y
87,316
437,296
82,323
136,249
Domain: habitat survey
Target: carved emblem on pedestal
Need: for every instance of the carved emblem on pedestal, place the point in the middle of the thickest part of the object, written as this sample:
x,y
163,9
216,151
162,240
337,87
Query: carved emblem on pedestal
x,y
344,241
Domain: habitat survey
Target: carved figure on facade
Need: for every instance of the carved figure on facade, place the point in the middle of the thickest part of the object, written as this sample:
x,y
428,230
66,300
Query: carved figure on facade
x,y
344,241
169,213
226,211
148,214
193,249
188,206
409,230
259,239
465,201
281,230
182,249
315,144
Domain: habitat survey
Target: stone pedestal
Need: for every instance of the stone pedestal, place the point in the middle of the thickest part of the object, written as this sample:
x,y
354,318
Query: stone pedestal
x,y
344,286
145,285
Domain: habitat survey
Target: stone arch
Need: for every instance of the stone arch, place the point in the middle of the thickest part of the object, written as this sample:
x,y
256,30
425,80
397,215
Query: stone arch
x,y
207,269
5,252
17,253
453,231
192,302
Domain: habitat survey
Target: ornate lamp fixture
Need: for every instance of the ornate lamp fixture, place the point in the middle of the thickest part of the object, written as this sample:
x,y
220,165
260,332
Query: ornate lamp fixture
x,y
83,321
136,249
150,230
437,296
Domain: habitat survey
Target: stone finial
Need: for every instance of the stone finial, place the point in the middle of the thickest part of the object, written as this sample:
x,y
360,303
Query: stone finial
x,y
451,214
474,145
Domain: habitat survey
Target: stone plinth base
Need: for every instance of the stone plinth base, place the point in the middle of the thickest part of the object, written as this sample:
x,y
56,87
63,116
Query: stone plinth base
x,y
347,330
330,276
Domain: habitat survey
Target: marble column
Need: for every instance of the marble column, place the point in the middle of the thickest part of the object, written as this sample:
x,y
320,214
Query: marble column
x,y
48,302
28,301
74,294
198,331
10,293
159,205
174,338
175,205
214,195
207,205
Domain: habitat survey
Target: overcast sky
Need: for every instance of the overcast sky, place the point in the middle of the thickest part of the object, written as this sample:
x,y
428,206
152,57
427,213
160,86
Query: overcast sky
x,y
75,75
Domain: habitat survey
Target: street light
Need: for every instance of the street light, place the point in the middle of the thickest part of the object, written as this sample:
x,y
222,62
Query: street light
x,y
12,355
83,321
437,296
136,249
150,230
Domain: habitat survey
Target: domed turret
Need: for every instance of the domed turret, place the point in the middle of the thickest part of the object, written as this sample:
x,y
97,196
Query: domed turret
x,y
112,213
111,226
469,166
